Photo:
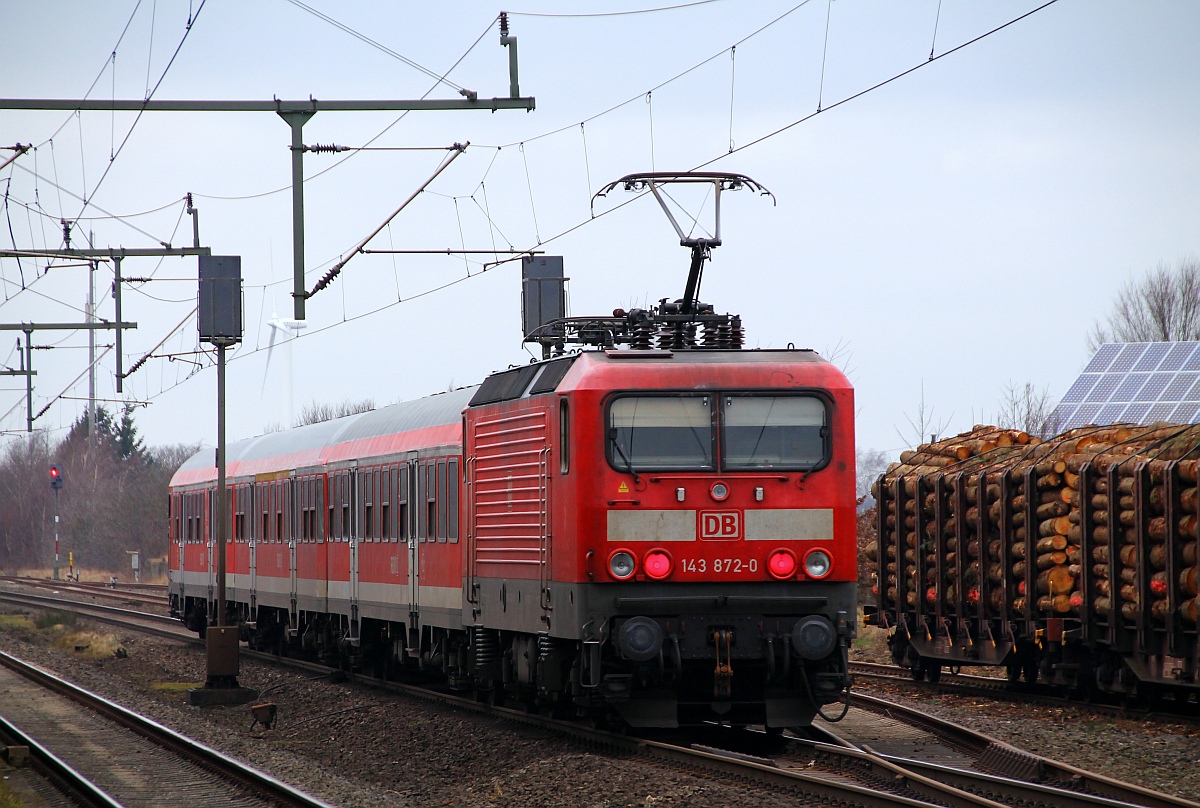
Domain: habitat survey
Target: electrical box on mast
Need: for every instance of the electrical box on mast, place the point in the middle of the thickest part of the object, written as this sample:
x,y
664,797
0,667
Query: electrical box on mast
x,y
219,315
543,298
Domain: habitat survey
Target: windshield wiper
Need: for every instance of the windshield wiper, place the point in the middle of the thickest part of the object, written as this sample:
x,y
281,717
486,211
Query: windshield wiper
x,y
612,436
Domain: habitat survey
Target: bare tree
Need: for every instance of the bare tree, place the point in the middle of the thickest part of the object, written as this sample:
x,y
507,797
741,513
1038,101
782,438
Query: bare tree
x,y
1162,306
868,465
315,413
922,425
1028,409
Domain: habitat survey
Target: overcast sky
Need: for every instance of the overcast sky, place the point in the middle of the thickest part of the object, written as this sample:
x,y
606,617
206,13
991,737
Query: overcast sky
x,y
951,232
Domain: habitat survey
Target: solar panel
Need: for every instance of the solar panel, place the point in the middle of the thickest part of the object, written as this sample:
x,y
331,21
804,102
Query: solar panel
x,y
1185,413
1159,412
1103,358
1129,388
1062,413
1136,382
1129,354
1081,387
1152,391
1153,355
1179,386
1178,355
1082,416
1135,413
1105,387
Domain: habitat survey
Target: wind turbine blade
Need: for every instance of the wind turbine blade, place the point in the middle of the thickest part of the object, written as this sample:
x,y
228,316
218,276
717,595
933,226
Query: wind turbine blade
x,y
270,348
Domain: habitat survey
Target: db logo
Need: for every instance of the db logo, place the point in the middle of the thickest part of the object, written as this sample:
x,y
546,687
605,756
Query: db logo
x,y
720,525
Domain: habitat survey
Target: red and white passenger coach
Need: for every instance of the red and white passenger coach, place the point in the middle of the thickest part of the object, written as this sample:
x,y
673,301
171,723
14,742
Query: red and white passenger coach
x,y
663,533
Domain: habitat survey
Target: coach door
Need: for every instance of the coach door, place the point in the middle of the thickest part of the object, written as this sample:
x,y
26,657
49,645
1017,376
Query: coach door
x,y
416,534
210,530
291,495
179,522
355,539
250,534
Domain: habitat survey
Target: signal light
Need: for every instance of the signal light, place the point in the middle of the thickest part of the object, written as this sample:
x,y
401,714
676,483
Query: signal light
x,y
781,564
657,564
56,481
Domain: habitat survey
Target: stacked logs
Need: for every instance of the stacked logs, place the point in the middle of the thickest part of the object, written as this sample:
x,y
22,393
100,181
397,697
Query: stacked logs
x,y
1024,539
1117,575
919,518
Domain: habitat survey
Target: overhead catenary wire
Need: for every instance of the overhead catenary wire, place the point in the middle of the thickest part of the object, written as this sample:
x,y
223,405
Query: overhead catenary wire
x,y
748,145
612,13
457,151
377,45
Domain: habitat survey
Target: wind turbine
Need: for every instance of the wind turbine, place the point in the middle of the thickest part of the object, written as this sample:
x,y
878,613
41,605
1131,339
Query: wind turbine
x,y
289,327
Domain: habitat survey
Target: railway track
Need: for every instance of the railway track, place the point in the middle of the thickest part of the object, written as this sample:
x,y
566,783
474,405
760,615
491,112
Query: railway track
x,y
150,595
997,688
110,756
977,763
883,755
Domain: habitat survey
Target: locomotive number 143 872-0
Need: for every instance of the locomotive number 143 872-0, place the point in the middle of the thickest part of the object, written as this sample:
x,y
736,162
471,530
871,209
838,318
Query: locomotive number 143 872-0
x,y
720,565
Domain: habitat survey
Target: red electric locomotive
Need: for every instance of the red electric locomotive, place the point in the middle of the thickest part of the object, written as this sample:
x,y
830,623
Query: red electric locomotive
x,y
663,532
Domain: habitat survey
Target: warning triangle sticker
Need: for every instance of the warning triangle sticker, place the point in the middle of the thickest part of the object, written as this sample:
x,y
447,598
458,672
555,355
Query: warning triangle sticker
x,y
622,488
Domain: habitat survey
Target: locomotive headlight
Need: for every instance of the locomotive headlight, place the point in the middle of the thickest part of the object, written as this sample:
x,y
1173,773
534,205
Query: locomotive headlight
x,y
640,639
817,564
814,637
781,564
719,491
657,564
622,565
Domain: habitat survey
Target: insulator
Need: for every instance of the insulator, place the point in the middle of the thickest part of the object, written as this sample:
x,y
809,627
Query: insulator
x,y
642,337
320,148
737,335
487,646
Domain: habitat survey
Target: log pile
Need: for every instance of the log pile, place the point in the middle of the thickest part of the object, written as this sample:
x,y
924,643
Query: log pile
x,y
995,515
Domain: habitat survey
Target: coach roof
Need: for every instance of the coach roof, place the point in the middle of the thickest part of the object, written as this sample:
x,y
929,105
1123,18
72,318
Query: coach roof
x,y
362,434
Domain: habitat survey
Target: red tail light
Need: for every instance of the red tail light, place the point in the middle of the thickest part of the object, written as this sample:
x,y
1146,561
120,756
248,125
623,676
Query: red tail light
x,y
781,564
657,564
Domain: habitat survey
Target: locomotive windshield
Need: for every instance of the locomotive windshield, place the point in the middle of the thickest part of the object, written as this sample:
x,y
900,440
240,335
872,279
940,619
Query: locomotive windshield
x,y
772,432
676,432
661,432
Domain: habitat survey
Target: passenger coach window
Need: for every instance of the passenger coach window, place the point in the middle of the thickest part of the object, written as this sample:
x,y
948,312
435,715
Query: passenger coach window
x,y
772,432
660,432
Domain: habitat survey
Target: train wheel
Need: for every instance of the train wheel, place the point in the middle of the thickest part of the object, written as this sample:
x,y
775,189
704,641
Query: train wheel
x,y
1012,672
933,671
917,671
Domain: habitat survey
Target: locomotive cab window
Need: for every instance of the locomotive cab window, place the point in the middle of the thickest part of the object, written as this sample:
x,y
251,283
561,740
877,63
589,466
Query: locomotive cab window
x,y
772,432
660,433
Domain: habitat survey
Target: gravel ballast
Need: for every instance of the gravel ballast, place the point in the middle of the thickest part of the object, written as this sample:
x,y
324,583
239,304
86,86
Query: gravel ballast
x,y
352,745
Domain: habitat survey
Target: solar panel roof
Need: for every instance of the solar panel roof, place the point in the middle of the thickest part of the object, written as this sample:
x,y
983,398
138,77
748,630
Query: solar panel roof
x,y
1136,382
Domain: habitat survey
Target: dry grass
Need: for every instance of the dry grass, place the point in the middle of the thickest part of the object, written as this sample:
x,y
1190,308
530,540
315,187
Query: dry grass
x,y
57,629
88,644
7,798
16,622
